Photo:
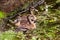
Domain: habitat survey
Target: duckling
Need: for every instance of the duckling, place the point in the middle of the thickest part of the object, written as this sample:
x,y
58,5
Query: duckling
x,y
26,22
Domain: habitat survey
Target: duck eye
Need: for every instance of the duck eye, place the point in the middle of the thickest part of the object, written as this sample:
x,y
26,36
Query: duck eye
x,y
35,21
32,20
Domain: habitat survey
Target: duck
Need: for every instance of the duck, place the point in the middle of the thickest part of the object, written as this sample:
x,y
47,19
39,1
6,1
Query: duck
x,y
26,22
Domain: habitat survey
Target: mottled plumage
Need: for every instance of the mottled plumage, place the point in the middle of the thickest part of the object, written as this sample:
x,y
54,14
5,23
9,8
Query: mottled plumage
x,y
26,22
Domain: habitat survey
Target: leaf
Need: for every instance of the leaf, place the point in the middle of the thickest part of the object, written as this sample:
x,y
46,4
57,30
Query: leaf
x,y
33,38
2,14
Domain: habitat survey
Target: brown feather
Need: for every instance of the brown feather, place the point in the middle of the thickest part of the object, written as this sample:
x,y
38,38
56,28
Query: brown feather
x,y
23,22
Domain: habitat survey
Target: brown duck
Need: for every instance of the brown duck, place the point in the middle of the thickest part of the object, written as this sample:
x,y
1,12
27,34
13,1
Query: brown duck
x,y
26,22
